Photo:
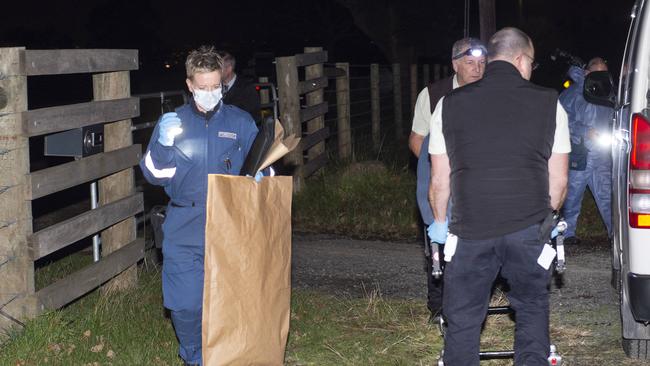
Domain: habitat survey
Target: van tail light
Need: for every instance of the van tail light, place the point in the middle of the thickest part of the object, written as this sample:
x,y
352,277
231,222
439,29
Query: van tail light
x,y
639,188
640,157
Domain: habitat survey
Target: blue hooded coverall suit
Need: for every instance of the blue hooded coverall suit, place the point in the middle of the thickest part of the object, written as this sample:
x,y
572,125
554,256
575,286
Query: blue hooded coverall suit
x,y
584,116
216,142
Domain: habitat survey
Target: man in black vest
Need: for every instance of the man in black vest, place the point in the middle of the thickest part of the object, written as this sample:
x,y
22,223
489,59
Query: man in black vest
x,y
237,91
468,58
499,147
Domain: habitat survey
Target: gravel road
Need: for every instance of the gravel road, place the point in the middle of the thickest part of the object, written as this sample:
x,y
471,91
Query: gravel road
x,y
344,266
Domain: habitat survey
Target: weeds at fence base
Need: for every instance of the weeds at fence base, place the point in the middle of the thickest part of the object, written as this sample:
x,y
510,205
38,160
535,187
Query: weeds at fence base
x,y
364,200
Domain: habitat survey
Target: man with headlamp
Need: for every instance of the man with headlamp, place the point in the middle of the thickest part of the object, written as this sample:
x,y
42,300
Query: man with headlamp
x,y
591,162
468,61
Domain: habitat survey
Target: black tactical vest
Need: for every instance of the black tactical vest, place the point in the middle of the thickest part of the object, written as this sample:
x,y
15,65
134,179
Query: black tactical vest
x,y
438,89
499,135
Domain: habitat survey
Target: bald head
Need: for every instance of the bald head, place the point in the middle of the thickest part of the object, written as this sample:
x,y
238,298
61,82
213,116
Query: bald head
x,y
508,43
514,46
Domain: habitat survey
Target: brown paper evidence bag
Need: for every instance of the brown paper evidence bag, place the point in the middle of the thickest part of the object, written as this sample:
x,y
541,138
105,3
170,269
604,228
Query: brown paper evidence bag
x,y
247,283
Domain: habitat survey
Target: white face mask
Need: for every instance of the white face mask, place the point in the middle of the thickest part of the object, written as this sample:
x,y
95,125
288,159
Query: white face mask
x,y
207,99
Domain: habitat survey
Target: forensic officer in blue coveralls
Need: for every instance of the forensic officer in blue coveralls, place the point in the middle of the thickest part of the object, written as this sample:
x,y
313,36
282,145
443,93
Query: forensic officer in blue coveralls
x,y
590,127
200,138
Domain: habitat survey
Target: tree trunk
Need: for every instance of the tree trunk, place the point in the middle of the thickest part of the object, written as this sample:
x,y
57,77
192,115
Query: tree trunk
x,y
381,22
488,19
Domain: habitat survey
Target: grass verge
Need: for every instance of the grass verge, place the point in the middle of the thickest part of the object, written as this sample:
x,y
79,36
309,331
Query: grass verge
x,y
361,200
125,329
370,200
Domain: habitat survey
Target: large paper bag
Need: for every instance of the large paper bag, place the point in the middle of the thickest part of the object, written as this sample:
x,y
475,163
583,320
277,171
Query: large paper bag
x,y
247,289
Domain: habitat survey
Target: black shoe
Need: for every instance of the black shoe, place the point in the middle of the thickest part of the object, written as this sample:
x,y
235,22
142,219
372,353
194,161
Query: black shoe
x,y
434,317
572,240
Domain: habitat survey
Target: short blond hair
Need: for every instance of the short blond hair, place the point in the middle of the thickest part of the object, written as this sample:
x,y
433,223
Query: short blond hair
x,y
203,59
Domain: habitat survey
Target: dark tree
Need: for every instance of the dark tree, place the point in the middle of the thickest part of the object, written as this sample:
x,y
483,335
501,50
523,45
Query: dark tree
x,y
408,30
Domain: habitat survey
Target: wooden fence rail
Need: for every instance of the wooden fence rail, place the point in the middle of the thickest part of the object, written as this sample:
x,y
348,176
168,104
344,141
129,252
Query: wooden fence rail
x,y
60,177
114,218
57,62
54,119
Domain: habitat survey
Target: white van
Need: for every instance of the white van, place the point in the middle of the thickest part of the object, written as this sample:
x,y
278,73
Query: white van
x,y
631,184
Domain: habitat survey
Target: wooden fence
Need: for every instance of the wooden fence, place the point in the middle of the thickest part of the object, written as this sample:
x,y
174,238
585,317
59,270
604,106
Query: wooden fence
x,y
293,115
118,201
307,116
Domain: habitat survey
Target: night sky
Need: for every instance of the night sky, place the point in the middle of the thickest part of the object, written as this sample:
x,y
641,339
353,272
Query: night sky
x,y
164,30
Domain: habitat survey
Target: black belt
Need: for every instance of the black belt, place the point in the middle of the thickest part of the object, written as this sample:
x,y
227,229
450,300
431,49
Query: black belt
x,y
189,204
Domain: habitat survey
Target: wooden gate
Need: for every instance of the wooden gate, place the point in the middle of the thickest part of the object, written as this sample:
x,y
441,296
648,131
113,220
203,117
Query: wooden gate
x,y
118,201
310,155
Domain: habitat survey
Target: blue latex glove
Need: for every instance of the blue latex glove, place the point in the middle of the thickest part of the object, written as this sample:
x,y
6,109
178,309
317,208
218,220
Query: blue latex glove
x,y
437,232
168,128
576,74
258,176
554,233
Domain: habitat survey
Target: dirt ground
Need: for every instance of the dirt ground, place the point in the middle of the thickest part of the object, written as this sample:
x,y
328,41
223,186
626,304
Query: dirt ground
x,y
583,302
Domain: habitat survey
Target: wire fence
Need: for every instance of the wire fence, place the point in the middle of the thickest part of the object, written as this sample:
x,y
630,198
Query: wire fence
x,y
359,106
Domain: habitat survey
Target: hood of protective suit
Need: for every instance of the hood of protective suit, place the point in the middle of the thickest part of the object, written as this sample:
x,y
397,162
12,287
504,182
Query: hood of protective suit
x,y
583,115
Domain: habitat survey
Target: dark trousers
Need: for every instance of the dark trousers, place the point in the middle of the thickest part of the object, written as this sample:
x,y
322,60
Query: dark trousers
x,y
468,283
182,283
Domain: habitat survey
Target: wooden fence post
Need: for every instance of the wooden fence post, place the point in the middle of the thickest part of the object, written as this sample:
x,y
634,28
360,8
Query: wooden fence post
x,y
264,92
375,105
343,112
414,85
106,86
445,71
289,100
16,265
425,75
436,72
397,101
313,98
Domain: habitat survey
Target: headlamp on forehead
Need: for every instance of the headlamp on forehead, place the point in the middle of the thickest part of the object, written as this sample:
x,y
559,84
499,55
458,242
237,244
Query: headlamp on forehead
x,y
476,51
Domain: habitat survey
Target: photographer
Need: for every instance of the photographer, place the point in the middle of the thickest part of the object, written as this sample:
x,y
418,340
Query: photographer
x,y
591,162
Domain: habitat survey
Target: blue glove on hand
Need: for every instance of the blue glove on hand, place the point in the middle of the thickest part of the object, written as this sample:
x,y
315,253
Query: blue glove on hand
x,y
437,232
559,228
168,128
554,233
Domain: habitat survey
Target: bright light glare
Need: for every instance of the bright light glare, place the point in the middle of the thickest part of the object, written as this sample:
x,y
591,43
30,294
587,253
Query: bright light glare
x,y
604,139
175,131
477,52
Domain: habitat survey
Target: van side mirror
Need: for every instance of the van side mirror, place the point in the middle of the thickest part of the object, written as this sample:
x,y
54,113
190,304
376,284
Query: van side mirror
x,y
599,89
